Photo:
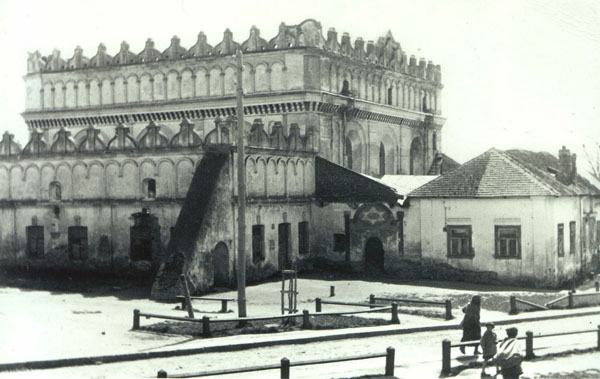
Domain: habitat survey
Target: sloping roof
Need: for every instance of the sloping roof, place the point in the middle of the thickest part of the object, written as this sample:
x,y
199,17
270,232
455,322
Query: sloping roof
x,y
442,164
498,173
338,184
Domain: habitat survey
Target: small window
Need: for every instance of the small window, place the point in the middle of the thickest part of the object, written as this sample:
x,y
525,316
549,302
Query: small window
x,y
389,96
303,238
78,242
560,240
258,243
459,241
424,104
508,241
381,159
35,241
572,235
339,242
55,191
149,188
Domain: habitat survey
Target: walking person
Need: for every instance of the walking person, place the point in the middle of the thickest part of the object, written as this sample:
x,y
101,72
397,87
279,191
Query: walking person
x,y
470,323
488,347
509,356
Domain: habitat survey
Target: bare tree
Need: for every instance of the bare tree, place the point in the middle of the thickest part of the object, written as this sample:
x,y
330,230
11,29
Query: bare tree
x,y
593,159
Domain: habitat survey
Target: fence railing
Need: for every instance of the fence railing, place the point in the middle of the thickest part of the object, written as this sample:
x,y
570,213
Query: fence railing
x,y
447,303
529,354
206,321
285,365
570,297
222,300
372,308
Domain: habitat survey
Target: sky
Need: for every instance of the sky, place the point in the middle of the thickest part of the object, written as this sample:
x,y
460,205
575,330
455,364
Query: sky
x,y
516,74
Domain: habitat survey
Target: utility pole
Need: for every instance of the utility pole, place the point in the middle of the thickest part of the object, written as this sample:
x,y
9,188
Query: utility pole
x,y
241,174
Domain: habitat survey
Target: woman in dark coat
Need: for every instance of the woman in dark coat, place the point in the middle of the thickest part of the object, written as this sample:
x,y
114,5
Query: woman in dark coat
x,y
470,323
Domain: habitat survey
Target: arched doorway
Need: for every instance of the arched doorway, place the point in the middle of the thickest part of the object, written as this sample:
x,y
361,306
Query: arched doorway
x,y
374,255
221,262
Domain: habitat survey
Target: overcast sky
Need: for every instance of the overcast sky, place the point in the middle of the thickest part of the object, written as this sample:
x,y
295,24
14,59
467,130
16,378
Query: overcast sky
x,y
517,74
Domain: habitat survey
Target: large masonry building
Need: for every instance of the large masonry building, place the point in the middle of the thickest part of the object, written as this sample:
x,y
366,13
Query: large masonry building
x,y
130,165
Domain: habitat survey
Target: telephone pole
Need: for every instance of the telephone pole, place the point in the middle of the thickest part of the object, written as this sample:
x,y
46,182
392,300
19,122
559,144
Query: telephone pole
x,y
241,174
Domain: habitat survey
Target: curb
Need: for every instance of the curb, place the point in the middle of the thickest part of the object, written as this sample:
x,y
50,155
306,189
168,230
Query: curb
x,y
82,361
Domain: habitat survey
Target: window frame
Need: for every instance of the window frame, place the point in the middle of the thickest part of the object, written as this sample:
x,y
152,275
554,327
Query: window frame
x,y
258,243
449,242
572,237
497,242
560,239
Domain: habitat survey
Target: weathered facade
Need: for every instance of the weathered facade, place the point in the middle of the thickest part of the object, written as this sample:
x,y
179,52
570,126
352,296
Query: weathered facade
x,y
116,142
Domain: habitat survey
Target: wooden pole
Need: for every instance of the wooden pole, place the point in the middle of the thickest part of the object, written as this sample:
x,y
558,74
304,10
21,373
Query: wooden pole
x,y
389,361
136,319
513,306
186,295
285,368
241,174
446,357
529,345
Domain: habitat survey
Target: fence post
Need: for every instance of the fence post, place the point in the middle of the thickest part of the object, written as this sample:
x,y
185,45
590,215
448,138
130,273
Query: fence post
x,y
183,304
205,326
285,368
331,291
305,319
395,319
318,304
136,319
186,295
449,310
598,348
570,300
223,306
389,361
371,300
161,374
529,345
513,306
597,286
446,357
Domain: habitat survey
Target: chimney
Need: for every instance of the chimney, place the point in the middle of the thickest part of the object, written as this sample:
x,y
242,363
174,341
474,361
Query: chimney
x,y
567,166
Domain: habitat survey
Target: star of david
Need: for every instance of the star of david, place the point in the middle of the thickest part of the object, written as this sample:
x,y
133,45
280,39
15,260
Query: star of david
x,y
373,216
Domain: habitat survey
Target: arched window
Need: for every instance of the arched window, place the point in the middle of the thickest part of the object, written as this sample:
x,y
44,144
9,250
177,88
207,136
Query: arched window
x,y
348,153
149,188
389,96
381,159
345,88
425,109
55,191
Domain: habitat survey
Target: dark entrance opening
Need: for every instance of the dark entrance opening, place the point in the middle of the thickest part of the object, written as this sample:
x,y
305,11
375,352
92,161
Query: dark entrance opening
x,y
144,237
284,246
221,262
374,255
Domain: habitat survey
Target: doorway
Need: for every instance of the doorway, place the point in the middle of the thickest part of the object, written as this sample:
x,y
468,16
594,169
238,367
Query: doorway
x,y
374,255
284,246
221,262
145,242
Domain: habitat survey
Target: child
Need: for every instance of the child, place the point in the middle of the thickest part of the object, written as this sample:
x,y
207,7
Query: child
x,y
509,355
488,345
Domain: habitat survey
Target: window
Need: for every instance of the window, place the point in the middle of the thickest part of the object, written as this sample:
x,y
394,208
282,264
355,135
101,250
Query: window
x,y
389,96
572,234
339,242
149,188
459,241
348,153
424,104
78,242
303,237
55,191
561,240
584,235
381,159
35,241
434,141
508,241
258,243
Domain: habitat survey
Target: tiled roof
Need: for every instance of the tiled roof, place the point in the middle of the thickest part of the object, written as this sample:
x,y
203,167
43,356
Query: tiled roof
x,y
509,173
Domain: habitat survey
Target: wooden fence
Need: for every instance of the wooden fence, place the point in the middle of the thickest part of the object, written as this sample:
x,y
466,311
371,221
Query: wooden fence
x,y
285,364
570,297
447,303
373,308
529,354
